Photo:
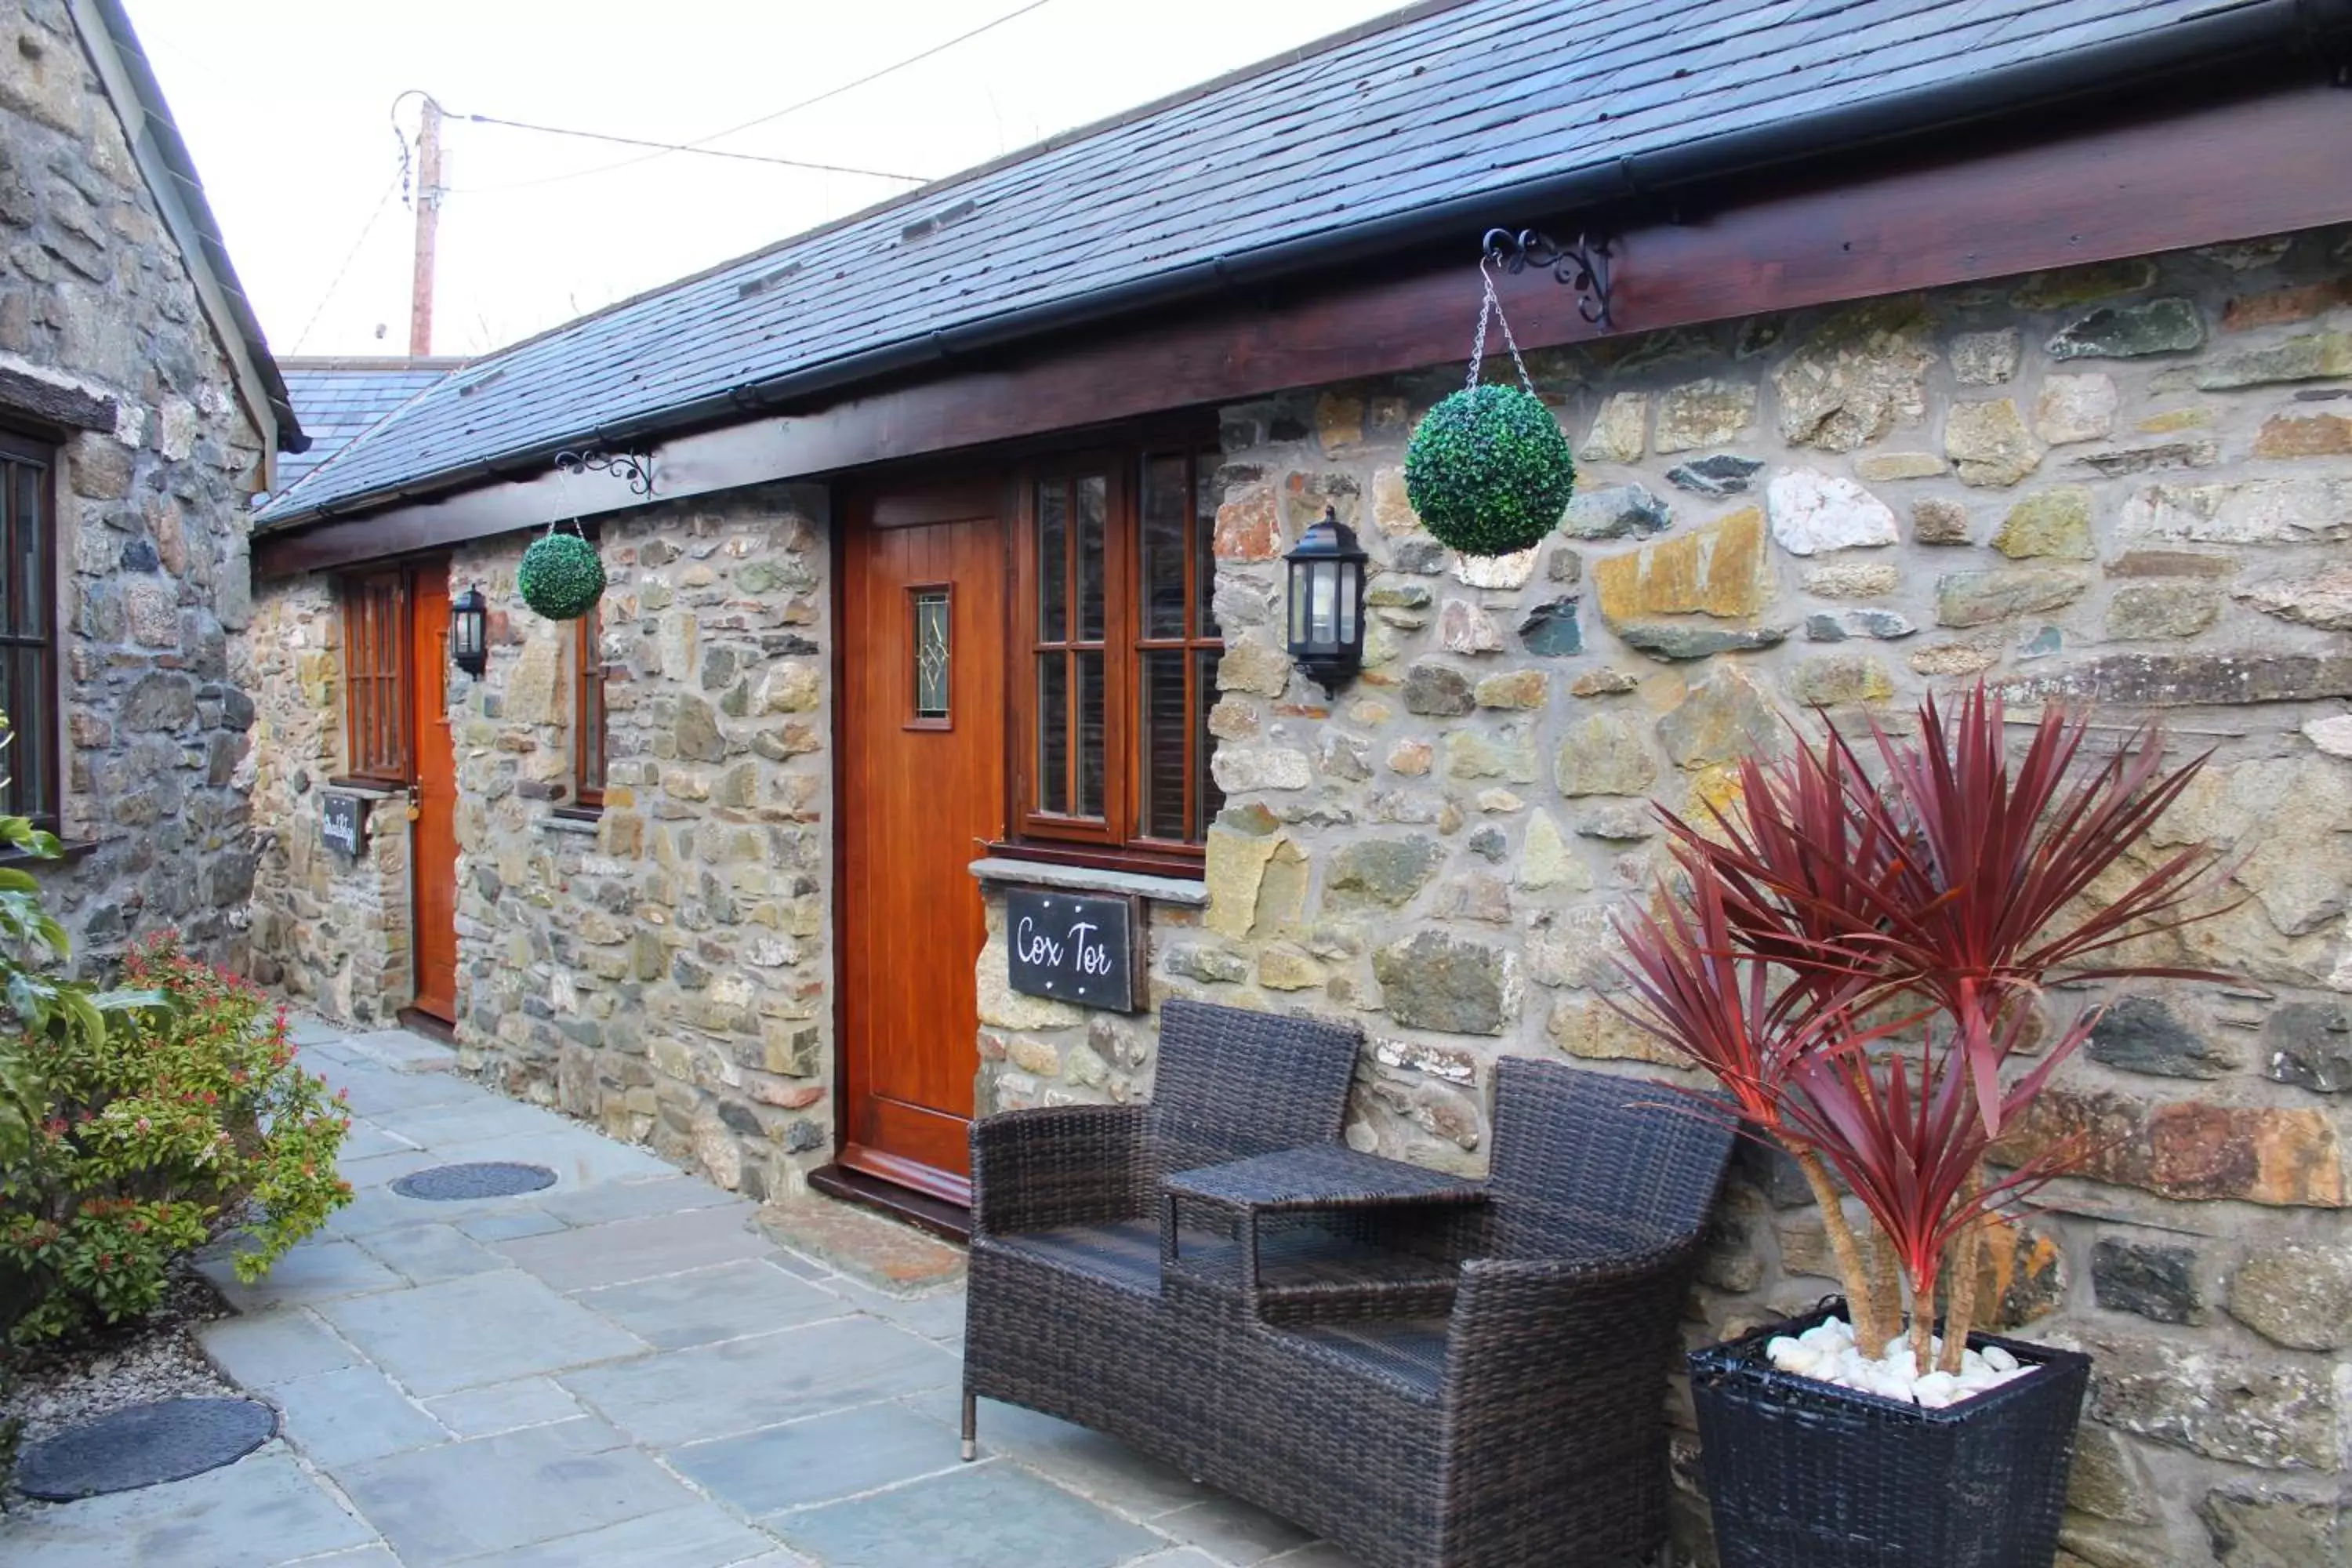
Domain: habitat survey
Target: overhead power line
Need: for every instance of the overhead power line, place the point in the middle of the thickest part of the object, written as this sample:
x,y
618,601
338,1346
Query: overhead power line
x,y
699,151
398,176
701,144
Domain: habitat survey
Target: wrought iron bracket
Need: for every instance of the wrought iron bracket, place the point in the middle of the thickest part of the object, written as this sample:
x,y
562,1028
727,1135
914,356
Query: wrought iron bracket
x,y
1583,267
636,468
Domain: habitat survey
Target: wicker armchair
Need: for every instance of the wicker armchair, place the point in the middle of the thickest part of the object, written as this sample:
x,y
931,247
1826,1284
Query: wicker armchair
x,y
1066,1242
1528,1423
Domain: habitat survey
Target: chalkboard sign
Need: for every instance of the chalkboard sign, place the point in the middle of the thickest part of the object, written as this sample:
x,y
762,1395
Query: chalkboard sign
x,y
1072,949
343,822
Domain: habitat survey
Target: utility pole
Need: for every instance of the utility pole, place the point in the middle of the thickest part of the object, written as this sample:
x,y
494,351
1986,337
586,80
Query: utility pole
x,y
429,225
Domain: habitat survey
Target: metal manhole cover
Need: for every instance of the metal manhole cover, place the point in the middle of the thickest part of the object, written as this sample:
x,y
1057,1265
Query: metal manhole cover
x,y
142,1446
483,1179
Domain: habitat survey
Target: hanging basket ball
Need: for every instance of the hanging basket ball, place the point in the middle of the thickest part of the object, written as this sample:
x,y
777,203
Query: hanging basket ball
x,y
561,576
1489,470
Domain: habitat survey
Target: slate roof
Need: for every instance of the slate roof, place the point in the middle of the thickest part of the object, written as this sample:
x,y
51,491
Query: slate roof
x,y
1440,104
339,400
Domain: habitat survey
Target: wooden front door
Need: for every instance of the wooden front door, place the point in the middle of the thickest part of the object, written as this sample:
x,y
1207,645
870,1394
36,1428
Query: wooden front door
x,y
921,789
433,835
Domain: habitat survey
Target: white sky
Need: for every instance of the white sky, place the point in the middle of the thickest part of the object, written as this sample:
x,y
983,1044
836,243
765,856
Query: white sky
x,y
285,105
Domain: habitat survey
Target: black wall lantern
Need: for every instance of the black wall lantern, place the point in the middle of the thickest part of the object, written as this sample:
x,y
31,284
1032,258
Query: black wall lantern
x,y
469,631
1327,601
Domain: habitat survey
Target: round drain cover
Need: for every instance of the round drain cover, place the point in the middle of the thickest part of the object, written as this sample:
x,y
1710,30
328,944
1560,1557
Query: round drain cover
x,y
141,1445
485,1179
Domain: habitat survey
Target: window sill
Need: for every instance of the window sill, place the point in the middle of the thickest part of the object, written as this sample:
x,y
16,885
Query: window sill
x,y
1000,869
69,852
367,789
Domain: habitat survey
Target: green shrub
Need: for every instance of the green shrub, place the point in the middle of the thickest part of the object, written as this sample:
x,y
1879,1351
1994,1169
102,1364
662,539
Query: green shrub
x,y
187,1109
1489,471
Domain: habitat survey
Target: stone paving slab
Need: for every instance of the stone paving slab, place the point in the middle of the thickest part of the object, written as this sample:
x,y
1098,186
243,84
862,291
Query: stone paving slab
x,y
401,1051
702,1306
497,1407
716,1391
979,1516
278,1347
493,1495
821,1459
619,1369
427,1254
671,1193
485,1328
699,1536
637,1248
351,1413
314,1272
258,1512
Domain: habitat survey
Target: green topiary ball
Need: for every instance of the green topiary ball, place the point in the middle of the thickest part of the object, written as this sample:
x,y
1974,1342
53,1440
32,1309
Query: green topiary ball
x,y
1489,470
562,577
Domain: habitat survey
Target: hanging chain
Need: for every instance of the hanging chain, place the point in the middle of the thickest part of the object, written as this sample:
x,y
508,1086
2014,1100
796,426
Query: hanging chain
x,y
1492,303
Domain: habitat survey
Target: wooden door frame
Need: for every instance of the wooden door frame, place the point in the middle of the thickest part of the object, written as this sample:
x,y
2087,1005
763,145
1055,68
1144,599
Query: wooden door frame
x,y
412,1014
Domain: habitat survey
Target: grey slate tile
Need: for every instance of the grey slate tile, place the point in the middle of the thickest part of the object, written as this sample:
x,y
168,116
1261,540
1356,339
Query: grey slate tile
x,y
716,1391
258,1512
273,1347
497,1407
1232,1531
351,1413
638,1248
312,1271
704,1305
699,1536
482,1329
817,1460
980,1516
494,1495
668,1193
426,1253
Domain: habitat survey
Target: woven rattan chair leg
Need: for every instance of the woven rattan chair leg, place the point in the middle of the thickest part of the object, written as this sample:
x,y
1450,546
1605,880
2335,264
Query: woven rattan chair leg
x,y
971,1425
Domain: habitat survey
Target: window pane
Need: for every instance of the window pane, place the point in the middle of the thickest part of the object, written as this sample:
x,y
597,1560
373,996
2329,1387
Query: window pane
x,y
31,717
1208,799
931,654
1094,507
29,580
1054,732
15,517
1165,509
1204,551
1052,563
1162,765
1090,734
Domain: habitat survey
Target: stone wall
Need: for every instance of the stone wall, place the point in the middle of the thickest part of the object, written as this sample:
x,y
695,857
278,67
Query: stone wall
x,y
332,930
2131,481
664,971
152,535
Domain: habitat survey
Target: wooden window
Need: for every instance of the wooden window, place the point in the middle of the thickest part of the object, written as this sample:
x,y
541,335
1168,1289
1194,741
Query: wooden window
x,y
588,734
28,630
1110,714
375,677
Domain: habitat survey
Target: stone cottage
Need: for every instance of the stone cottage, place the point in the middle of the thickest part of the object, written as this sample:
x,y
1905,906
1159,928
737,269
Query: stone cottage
x,y
138,411
945,547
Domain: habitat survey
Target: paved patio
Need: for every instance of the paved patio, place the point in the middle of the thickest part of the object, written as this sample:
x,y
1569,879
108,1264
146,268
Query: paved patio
x,y
618,1369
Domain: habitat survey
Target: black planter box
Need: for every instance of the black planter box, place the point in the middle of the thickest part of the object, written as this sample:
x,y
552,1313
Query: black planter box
x,y
1801,1472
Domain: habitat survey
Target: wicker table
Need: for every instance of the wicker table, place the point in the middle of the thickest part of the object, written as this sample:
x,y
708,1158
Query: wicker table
x,y
1358,1191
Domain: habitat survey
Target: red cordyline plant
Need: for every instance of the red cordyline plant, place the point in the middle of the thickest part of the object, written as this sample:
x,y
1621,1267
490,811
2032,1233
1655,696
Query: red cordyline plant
x,y
1834,911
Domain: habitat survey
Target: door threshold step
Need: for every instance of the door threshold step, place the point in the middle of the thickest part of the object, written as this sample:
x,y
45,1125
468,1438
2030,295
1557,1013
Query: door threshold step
x,y
879,1247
